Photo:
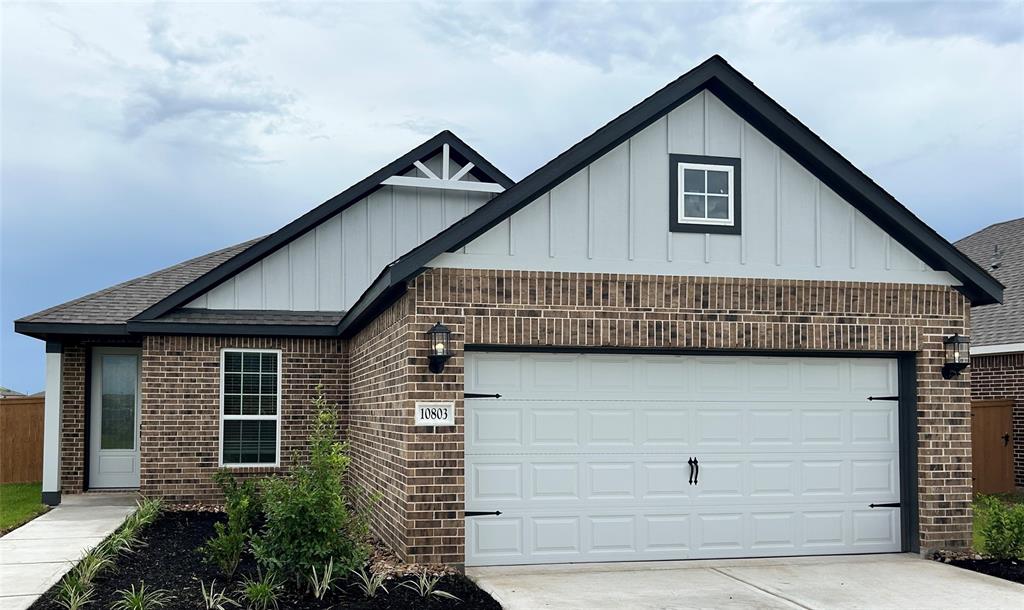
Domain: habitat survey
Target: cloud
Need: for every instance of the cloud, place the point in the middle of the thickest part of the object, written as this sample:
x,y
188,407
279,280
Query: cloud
x,y
998,23
176,49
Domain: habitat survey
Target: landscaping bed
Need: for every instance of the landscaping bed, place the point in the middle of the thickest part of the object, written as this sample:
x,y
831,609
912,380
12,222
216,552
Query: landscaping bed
x,y
169,558
1006,569
998,539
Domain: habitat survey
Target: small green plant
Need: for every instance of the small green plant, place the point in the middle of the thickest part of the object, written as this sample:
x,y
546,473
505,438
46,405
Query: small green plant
x,y
1001,527
73,594
309,514
213,599
125,540
369,583
140,599
262,592
241,504
426,586
91,565
148,510
321,583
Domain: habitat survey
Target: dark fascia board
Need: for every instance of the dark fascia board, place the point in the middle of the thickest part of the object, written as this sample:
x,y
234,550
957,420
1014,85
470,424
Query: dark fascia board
x,y
248,330
754,106
460,151
42,330
54,331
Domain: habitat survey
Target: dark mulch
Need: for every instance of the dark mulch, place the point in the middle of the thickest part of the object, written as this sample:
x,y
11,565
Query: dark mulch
x,y
1000,568
171,561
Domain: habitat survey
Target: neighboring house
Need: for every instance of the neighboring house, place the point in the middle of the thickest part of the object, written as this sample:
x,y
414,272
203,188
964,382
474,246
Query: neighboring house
x,y
7,392
997,347
686,316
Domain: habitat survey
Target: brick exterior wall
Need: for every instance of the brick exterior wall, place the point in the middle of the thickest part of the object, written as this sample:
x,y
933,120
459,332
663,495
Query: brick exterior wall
x,y
180,427
381,372
605,310
1001,377
72,419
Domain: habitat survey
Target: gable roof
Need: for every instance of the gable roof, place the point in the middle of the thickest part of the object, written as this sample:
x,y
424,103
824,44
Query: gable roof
x,y
107,311
999,324
765,114
460,152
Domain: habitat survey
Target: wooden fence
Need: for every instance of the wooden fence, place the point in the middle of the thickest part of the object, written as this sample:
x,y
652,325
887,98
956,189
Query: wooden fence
x,y
21,439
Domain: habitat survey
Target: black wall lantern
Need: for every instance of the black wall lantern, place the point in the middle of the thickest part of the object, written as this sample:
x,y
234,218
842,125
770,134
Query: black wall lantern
x,y
958,355
440,349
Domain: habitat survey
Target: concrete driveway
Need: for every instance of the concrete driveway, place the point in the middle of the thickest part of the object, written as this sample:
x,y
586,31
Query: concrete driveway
x,y
864,581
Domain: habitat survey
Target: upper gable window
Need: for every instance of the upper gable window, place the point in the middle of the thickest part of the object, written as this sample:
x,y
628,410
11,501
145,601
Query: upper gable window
x,y
704,194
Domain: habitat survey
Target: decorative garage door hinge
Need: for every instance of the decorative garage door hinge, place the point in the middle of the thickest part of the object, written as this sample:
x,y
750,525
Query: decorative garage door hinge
x,y
883,397
473,395
885,505
481,513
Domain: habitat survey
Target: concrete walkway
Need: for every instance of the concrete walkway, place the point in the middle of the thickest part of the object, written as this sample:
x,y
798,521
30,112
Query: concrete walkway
x,y
35,556
863,581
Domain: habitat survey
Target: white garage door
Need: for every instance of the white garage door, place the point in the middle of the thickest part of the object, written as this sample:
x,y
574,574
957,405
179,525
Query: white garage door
x,y
587,457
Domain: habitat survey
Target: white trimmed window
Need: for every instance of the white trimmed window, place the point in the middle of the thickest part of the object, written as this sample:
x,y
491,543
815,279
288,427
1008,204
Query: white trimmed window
x,y
705,194
250,434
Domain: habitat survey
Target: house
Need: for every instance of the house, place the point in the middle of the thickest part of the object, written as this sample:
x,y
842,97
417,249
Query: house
x,y
997,357
699,332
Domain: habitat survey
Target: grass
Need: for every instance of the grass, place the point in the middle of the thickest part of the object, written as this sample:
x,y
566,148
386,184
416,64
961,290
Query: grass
x,y
19,502
979,517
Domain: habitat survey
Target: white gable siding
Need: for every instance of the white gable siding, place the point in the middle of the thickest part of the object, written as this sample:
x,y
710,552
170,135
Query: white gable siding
x,y
612,216
329,267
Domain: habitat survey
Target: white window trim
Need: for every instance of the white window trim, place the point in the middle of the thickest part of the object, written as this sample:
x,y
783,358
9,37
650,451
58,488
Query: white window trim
x,y
223,417
681,194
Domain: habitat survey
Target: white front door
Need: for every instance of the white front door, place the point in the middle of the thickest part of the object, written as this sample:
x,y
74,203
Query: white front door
x,y
115,408
588,457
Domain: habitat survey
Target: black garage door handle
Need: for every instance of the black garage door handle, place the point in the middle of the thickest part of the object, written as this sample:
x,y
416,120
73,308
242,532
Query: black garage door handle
x,y
696,470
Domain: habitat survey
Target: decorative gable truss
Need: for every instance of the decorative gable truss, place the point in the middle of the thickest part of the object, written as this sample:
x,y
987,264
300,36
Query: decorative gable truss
x,y
447,180
325,260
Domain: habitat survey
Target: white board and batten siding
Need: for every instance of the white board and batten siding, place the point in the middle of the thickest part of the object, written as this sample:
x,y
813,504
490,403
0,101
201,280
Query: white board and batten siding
x,y
614,214
328,267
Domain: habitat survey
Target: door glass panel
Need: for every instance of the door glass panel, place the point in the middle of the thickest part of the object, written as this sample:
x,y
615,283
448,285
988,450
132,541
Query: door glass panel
x,y
117,414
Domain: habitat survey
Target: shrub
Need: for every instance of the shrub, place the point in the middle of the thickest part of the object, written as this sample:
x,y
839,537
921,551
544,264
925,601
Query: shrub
x,y
141,599
1001,527
321,582
262,592
426,586
91,565
213,599
74,594
369,583
308,519
241,503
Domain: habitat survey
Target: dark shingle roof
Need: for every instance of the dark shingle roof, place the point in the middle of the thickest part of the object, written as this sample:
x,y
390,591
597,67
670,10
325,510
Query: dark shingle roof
x,y
998,324
115,305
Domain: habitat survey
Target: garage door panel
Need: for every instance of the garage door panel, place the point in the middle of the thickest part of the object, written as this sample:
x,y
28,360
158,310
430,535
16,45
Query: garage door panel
x,y
610,426
587,456
875,477
718,427
497,427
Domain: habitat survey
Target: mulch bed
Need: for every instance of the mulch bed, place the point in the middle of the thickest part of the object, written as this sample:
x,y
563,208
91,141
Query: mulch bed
x,y
171,561
1006,569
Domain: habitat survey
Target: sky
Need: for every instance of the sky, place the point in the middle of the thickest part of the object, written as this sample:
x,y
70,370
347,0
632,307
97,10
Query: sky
x,y
135,136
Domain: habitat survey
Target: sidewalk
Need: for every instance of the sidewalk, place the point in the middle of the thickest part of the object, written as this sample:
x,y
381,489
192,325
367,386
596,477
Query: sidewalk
x,y
36,555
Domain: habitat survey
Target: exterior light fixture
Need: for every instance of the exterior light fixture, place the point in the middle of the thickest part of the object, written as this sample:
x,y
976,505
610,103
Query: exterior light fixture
x,y
440,349
958,355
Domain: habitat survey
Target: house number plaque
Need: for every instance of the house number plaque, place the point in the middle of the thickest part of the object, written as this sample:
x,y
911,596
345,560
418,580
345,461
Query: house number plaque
x,y
435,413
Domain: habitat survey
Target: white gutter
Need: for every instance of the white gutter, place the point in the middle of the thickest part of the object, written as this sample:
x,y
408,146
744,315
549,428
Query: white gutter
x,y
1003,348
